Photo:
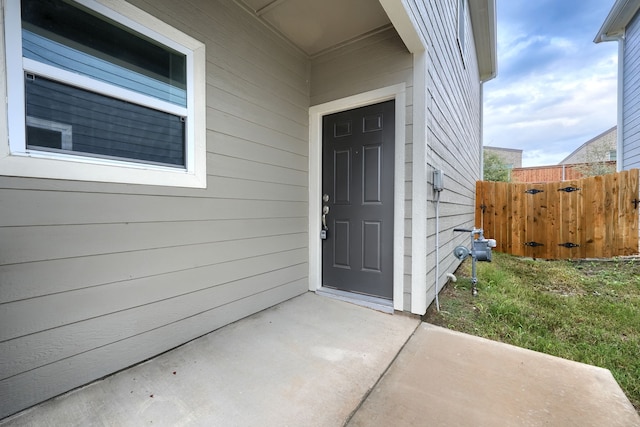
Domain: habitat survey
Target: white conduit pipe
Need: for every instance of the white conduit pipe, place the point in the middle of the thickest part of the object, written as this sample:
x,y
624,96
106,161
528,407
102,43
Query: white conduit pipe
x,y
437,248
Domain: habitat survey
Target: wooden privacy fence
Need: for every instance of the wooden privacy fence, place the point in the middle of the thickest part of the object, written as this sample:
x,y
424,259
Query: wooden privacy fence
x,y
593,217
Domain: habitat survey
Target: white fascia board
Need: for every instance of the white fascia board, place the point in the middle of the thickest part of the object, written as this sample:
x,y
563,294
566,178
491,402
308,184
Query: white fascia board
x,y
622,12
405,24
484,23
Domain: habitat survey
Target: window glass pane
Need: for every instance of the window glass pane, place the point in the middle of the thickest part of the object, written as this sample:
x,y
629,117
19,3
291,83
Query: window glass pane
x,y
67,37
103,126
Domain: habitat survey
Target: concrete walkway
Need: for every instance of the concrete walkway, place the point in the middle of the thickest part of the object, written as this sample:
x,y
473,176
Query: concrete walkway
x,y
313,361
454,379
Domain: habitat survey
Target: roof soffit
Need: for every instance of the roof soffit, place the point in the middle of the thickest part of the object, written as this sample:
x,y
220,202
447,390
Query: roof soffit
x,y
316,26
622,12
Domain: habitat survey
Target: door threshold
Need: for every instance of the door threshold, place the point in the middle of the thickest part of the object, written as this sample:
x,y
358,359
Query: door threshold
x,y
374,303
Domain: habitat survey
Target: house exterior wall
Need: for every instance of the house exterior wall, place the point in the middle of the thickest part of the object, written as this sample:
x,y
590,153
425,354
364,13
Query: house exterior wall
x,y
375,62
453,132
451,118
631,96
95,277
597,149
510,156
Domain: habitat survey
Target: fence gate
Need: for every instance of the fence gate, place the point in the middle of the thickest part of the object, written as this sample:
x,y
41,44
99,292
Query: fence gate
x,y
593,217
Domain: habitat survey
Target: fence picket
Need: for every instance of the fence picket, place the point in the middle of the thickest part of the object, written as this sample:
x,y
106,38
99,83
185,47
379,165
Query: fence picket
x,y
599,218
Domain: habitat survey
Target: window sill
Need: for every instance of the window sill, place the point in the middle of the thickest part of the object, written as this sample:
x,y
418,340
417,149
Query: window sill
x,y
78,168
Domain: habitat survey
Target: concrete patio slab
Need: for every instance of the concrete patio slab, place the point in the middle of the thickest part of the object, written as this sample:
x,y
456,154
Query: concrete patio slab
x,y
445,378
306,362
315,361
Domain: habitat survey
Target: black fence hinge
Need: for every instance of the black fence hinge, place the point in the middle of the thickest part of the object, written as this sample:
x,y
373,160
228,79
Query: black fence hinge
x,y
569,245
534,191
635,202
568,189
533,244
483,207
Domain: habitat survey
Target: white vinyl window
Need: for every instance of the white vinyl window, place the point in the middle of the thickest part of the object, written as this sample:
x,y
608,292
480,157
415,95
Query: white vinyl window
x,y
96,95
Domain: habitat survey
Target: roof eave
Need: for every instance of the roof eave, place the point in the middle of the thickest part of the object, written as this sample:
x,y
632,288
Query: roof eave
x,y
622,12
484,23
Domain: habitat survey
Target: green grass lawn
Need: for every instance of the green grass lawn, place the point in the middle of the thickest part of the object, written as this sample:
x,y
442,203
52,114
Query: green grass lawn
x,y
587,311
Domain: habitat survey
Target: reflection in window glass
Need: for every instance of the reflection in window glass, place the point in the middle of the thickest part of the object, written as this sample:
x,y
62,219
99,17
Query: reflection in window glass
x,y
103,126
67,37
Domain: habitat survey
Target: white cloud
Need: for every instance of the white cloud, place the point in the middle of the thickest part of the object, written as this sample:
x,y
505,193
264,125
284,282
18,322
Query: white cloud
x,y
555,88
549,115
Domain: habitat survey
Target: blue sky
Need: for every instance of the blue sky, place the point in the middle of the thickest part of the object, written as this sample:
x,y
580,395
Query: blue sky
x,y
555,88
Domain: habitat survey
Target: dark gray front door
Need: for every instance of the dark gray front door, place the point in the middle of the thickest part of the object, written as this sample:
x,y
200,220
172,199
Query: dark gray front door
x,y
358,163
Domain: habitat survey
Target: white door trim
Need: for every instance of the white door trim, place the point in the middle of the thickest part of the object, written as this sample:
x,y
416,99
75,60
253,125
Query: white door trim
x,y
397,92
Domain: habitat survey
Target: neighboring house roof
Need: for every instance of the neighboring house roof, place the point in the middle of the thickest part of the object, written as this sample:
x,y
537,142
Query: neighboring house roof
x,y
514,150
586,144
619,17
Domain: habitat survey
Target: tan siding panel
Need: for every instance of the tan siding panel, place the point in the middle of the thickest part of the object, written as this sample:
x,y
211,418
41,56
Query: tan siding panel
x,y
50,380
233,167
255,114
230,188
49,346
31,280
218,185
34,314
87,259
227,124
23,208
338,75
42,243
240,148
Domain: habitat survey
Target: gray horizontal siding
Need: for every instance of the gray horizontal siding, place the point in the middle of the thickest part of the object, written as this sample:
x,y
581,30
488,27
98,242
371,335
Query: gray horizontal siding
x,y
631,97
453,132
95,277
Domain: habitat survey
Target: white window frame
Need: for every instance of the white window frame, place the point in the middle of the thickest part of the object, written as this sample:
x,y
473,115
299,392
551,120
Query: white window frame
x,y
17,160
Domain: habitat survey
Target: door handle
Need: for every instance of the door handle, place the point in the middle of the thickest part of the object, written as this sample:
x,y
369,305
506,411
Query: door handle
x,y
325,211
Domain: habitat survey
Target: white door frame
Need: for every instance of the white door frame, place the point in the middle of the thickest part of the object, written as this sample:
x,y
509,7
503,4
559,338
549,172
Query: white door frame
x,y
397,92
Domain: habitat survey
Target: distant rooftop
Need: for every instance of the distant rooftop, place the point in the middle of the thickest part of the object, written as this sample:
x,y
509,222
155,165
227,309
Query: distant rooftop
x,y
515,150
569,158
